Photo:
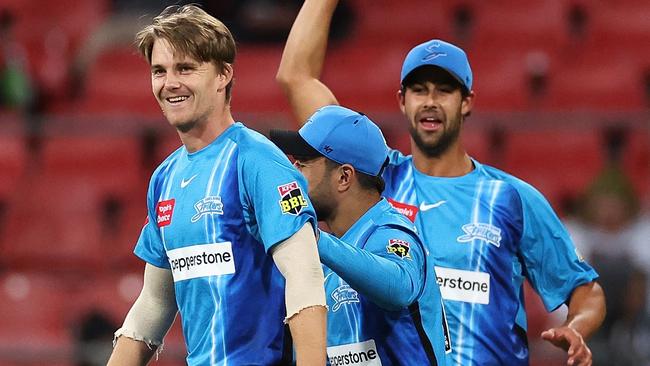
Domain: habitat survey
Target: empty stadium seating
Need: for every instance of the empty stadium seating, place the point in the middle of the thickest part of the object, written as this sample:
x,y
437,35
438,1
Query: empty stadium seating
x,y
71,211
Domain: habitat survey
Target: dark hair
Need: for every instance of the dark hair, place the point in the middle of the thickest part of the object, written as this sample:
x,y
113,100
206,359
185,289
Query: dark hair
x,y
414,77
366,181
193,32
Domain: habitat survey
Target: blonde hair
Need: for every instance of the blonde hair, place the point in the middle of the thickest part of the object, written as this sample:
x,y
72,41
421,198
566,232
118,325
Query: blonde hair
x,y
192,32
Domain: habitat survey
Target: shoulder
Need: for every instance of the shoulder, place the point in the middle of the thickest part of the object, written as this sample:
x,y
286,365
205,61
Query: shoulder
x,y
163,169
522,189
395,225
396,158
253,147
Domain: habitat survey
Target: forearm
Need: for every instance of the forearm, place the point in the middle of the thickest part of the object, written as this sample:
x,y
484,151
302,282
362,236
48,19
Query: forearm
x,y
297,260
387,283
304,52
586,309
308,330
148,320
129,352
303,57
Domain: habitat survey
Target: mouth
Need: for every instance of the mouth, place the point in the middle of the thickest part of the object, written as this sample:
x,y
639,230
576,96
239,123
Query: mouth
x,y
430,123
176,100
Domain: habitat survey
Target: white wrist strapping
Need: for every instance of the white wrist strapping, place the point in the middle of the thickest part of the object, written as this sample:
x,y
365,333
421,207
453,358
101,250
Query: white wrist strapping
x,y
154,310
297,259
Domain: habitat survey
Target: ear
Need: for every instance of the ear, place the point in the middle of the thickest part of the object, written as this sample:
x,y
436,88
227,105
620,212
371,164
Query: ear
x,y
345,175
400,100
225,76
467,104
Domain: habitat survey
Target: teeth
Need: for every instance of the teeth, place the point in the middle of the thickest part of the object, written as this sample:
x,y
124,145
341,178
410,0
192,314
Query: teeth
x,y
176,99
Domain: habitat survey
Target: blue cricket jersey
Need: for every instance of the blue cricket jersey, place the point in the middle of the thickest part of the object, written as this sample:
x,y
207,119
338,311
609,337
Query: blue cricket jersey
x,y
213,216
368,324
486,232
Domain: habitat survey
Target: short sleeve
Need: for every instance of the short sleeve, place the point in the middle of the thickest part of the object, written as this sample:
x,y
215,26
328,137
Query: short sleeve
x,y
273,194
149,246
552,264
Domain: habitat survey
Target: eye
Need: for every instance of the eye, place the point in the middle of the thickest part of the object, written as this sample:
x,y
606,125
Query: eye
x,y
446,89
418,89
157,72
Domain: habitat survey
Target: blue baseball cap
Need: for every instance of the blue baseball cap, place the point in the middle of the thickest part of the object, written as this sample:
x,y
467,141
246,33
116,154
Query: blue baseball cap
x,y
339,134
439,53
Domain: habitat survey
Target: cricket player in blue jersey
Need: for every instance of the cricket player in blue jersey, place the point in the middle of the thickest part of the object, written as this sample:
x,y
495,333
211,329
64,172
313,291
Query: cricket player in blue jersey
x,y
376,267
487,231
229,241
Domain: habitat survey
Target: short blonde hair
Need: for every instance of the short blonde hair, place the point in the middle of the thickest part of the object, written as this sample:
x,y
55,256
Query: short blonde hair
x,y
193,32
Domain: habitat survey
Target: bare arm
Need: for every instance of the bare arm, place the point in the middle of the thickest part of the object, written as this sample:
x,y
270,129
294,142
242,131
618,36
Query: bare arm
x,y
131,352
308,330
297,259
148,321
586,314
303,57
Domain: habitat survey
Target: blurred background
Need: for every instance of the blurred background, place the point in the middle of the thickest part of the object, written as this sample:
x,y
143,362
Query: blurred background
x,y
563,101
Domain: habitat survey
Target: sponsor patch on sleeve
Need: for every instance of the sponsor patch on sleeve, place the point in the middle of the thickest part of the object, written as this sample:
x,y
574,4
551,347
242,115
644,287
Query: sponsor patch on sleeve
x,y
292,200
164,212
400,248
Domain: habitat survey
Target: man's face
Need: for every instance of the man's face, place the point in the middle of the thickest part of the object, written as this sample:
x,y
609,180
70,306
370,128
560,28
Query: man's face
x,y
186,89
320,182
434,107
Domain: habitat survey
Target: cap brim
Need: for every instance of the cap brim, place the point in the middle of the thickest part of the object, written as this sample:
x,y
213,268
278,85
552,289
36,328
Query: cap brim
x,y
433,65
291,143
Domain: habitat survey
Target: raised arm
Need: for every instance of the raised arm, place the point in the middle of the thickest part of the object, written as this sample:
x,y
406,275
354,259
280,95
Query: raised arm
x,y
586,313
303,57
148,321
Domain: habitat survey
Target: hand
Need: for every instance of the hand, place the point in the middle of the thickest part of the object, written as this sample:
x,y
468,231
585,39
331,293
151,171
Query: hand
x,y
572,342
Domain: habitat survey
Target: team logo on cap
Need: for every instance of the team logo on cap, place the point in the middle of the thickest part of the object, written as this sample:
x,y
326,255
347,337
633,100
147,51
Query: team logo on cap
x,y
292,201
400,248
433,52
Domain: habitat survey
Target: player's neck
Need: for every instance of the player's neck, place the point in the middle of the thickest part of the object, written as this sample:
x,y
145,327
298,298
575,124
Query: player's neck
x,y
350,211
452,163
203,134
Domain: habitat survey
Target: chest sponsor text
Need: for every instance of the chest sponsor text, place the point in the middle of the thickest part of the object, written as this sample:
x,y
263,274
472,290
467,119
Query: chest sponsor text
x,y
362,353
201,261
466,286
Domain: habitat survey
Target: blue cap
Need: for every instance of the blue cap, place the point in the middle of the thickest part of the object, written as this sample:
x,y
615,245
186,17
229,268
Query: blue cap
x,y
442,54
340,134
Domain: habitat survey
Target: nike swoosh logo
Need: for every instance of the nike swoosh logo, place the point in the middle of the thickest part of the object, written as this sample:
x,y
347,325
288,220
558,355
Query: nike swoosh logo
x,y
425,207
184,182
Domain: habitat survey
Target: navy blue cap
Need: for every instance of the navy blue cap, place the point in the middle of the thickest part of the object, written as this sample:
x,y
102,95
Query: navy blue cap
x,y
340,134
442,54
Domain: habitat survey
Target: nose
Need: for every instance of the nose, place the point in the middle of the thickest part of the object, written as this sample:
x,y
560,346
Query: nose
x,y
172,81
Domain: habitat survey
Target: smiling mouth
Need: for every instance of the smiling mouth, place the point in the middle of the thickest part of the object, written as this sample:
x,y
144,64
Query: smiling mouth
x,y
176,100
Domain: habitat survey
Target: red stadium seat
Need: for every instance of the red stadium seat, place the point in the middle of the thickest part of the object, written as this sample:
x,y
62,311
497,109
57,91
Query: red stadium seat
x,y
13,160
119,82
557,162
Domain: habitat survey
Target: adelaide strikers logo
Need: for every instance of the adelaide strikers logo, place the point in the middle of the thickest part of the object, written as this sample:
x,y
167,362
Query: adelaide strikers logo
x,y
292,201
342,295
400,248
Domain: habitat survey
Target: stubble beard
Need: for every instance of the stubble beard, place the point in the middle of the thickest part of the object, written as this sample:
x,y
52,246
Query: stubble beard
x,y
437,148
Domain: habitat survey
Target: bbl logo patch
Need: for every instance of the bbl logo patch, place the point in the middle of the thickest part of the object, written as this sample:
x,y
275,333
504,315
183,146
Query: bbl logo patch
x,y
400,248
292,201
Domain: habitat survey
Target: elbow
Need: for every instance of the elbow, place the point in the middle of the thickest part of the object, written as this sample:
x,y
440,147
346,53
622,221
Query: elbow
x,y
283,77
287,79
